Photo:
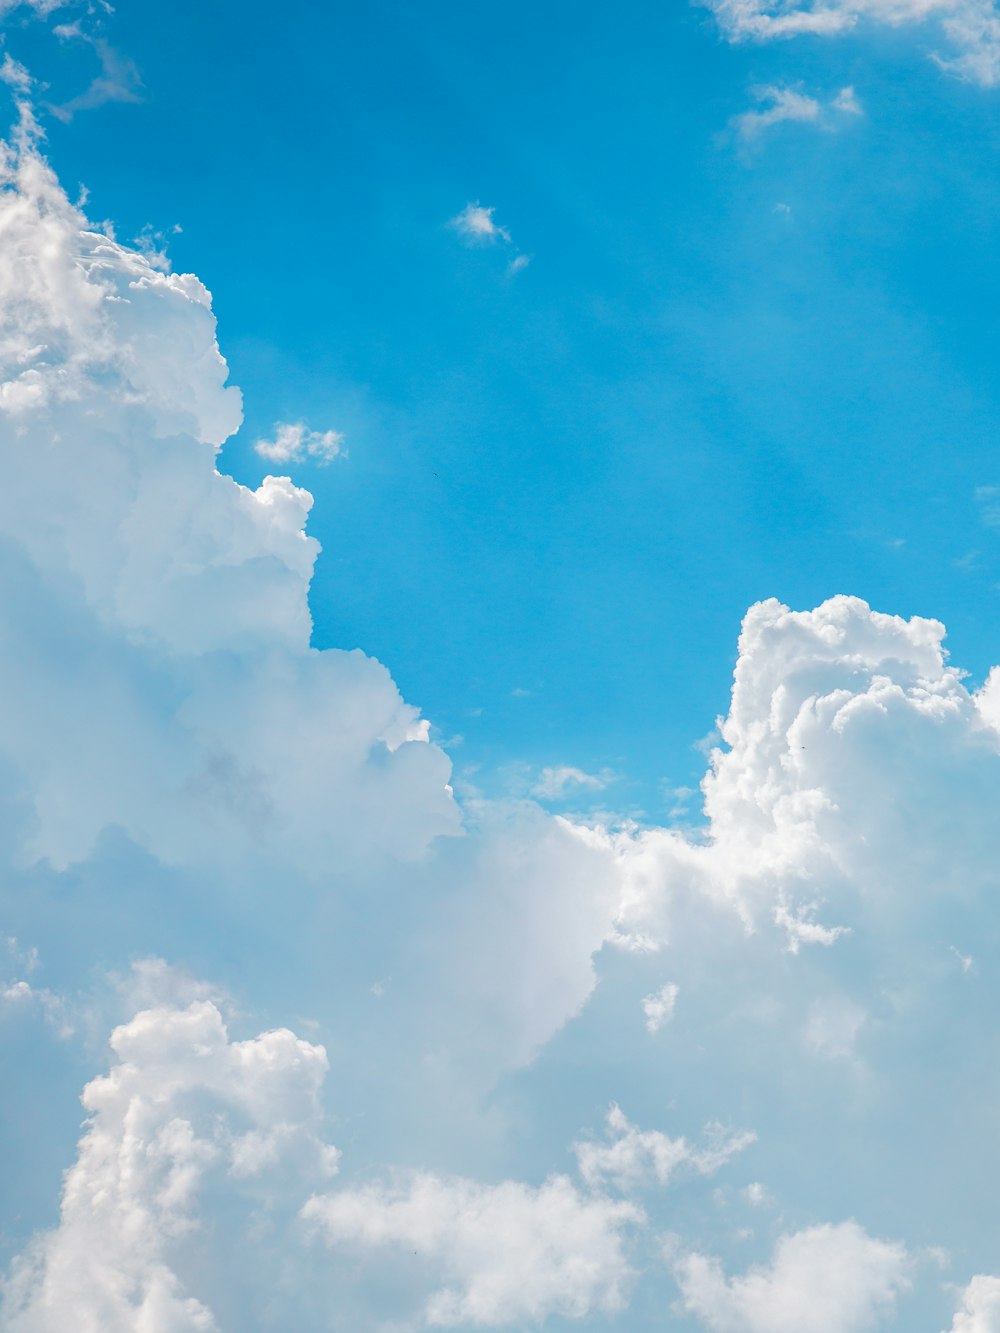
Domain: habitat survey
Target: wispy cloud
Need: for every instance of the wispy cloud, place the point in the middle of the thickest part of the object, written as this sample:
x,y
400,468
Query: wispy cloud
x,y
555,783
970,28
777,104
118,81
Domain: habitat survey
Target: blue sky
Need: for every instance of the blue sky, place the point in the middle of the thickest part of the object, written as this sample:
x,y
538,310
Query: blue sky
x,y
438,931
730,371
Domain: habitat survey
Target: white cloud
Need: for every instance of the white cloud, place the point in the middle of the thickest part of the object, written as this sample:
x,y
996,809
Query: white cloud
x,y
194,718
633,1157
829,708
826,1279
294,441
980,1312
181,1103
847,101
554,783
475,225
110,369
507,1253
969,28
777,105
14,74
659,1007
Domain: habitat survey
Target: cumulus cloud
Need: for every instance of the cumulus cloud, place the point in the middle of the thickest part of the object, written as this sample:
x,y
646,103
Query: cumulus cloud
x,y
194,718
507,1253
970,29
829,707
114,394
980,1312
181,1103
181,747
294,441
826,1279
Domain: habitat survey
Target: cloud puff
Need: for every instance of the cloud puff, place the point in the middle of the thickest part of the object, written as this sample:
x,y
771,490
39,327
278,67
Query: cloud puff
x,y
829,708
508,1253
293,442
182,1103
633,1157
980,1312
826,1279
475,225
970,27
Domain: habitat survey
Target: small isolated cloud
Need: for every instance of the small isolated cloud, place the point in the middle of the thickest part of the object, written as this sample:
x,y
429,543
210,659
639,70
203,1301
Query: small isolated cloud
x,y
555,783
826,1279
659,1007
632,1158
475,225
294,442
778,104
847,101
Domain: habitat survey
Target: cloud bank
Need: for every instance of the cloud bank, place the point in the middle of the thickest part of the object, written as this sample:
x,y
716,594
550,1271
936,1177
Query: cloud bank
x,y
186,774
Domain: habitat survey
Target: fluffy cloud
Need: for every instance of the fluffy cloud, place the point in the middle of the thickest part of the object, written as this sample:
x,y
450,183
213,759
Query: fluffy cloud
x,y
980,1312
971,28
294,441
826,1279
830,709
475,225
181,1103
212,728
508,1253
634,1157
